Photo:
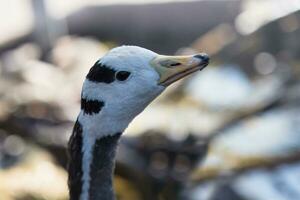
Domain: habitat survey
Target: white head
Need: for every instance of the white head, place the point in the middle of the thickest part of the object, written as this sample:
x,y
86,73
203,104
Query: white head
x,y
123,82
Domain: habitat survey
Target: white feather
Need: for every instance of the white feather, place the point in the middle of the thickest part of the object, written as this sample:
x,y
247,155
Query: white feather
x,y
88,143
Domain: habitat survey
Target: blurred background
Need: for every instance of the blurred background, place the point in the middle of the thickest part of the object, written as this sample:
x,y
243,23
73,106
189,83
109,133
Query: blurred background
x,y
230,132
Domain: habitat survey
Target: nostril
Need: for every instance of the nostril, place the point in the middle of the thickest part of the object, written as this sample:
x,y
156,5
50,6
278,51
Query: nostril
x,y
174,64
204,57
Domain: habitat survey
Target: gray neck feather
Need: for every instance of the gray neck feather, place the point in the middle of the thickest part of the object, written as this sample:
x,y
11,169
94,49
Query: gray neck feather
x,y
102,168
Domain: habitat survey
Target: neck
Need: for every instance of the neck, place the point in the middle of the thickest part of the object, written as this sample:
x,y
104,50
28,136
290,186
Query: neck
x,y
91,164
102,167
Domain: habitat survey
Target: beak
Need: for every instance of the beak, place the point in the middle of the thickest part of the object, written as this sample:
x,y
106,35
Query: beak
x,y
173,68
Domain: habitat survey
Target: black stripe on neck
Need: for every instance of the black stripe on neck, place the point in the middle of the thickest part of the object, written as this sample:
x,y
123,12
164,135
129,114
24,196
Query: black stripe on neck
x,y
75,162
101,73
91,106
102,168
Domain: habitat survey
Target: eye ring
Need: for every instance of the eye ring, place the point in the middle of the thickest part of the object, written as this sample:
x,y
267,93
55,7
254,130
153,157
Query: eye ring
x,y
122,75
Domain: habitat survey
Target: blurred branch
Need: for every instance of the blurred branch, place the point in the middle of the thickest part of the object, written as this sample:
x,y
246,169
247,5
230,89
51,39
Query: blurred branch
x,y
248,164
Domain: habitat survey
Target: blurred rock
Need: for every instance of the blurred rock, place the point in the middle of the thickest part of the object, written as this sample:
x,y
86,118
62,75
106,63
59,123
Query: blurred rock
x,y
153,25
177,119
225,82
278,183
257,141
215,39
30,80
283,182
34,177
275,38
227,88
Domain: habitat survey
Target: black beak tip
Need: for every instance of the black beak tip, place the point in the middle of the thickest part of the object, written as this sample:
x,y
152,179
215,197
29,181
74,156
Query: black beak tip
x,y
204,57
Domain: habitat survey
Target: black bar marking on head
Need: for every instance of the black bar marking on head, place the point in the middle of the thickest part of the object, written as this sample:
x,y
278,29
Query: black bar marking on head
x,y
102,167
91,106
101,73
75,162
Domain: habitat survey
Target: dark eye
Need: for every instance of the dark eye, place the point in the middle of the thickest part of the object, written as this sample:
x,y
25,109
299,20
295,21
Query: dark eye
x,y
122,75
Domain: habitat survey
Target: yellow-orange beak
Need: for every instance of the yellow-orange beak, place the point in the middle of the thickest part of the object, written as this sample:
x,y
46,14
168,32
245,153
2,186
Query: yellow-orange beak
x,y
173,68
